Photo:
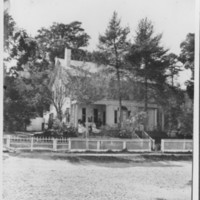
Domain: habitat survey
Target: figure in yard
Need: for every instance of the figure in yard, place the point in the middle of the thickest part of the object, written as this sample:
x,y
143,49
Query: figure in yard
x,y
81,128
94,129
99,123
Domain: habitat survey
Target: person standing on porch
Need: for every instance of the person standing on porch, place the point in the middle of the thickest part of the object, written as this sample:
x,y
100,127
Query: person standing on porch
x,y
81,129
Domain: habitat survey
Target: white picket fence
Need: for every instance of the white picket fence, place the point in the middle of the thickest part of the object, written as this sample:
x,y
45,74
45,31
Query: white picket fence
x,y
78,144
94,144
176,145
132,145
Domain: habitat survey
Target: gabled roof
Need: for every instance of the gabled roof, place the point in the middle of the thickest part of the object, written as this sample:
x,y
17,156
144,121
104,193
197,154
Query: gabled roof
x,y
88,66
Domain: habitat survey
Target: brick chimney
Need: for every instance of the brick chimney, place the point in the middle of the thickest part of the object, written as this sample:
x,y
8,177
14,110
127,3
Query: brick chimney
x,y
67,57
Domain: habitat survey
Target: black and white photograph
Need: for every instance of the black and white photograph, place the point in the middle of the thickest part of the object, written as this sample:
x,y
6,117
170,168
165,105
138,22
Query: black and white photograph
x,y
100,100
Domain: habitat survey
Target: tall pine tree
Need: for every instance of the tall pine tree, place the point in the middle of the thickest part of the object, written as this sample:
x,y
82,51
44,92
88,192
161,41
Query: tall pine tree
x,y
114,45
147,57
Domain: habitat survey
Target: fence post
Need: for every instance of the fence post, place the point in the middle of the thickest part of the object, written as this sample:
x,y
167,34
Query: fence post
x,y
54,144
8,141
98,145
31,143
150,142
124,144
87,146
184,144
162,145
69,145
154,146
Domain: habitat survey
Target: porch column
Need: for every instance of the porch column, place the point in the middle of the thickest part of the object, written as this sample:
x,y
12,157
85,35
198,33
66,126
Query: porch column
x,y
163,121
76,115
155,118
107,115
110,115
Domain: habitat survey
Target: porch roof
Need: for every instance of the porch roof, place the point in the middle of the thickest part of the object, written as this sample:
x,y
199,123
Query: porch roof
x,y
124,103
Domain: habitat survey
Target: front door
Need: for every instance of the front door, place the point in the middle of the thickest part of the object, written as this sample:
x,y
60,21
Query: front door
x,y
124,115
95,115
104,118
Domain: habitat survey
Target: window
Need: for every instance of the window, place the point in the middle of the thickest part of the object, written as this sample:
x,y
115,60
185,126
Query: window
x,y
84,115
67,114
115,116
129,113
104,118
95,115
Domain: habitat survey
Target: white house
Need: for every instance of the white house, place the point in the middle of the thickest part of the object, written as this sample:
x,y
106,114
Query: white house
x,y
102,112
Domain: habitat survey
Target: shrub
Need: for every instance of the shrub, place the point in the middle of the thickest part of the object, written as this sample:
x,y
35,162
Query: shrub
x,y
124,134
115,132
70,132
50,133
59,130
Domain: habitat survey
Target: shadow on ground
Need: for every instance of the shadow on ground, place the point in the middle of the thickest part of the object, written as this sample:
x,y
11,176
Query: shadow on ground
x,y
114,161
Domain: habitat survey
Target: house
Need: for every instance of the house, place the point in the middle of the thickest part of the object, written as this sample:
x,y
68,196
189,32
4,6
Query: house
x,y
102,112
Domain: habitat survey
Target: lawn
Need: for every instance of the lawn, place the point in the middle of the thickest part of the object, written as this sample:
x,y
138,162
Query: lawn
x,y
53,176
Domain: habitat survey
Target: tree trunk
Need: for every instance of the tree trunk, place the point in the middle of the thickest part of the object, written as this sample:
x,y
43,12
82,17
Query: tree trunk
x,y
59,111
119,97
146,103
172,80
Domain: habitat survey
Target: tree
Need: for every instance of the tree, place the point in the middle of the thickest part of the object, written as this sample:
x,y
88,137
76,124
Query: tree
x,y
187,58
54,40
9,27
26,93
77,84
173,68
147,58
59,87
114,45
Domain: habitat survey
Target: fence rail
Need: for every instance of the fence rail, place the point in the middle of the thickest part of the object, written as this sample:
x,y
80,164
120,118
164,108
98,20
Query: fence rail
x,y
78,144
176,145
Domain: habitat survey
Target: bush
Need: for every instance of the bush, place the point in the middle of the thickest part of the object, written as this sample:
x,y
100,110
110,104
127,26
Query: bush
x,y
50,133
124,134
186,127
115,132
70,132
59,130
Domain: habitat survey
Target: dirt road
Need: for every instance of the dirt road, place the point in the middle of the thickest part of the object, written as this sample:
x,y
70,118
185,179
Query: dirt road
x,y
75,178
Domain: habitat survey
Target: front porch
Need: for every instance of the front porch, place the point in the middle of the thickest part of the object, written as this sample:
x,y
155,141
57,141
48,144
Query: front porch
x,y
105,113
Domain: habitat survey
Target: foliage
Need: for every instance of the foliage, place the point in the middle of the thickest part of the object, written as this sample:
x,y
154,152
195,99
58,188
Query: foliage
x,y
26,92
190,88
24,49
114,45
173,67
54,40
86,87
60,129
147,56
186,122
187,58
140,117
187,52
174,99
18,104
70,132
135,123
59,89
124,134
9,27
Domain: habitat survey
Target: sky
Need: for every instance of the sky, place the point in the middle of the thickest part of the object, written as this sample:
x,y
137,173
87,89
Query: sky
x,y
173,18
